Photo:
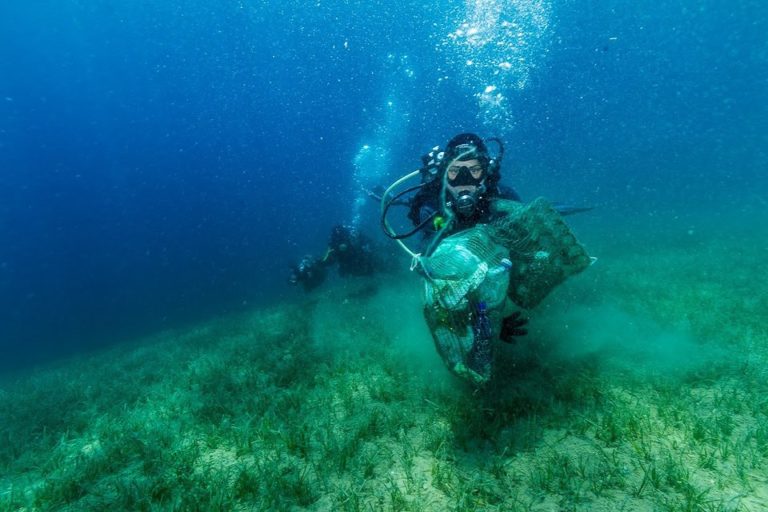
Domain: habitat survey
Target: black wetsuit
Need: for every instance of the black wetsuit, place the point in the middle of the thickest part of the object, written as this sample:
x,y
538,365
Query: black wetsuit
x,y
352,250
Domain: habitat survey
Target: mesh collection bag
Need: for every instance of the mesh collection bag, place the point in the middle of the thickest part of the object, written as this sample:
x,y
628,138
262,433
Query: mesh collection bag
x,y
469,276
543,250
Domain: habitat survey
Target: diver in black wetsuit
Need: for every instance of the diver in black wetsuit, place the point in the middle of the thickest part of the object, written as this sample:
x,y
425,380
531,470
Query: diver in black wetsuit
x,y
460,190
472,177
352,250
472,180
347,247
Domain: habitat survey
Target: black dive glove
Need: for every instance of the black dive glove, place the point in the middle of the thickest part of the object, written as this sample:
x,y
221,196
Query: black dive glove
x,y
513,326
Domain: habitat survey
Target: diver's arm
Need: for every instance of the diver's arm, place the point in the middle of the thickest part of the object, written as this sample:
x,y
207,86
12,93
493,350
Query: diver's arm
x,y
424,198
329,258
414,211
506,192
377,193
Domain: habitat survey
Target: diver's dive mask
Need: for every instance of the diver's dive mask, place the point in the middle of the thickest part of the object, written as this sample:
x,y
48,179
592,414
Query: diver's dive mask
x,y
466,184
459,175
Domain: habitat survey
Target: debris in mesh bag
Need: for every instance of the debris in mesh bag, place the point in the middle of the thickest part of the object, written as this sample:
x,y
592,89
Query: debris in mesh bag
x,y
523,254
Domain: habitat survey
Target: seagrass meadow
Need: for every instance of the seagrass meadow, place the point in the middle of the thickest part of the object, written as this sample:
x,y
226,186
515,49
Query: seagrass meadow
x,y
174,174
641,386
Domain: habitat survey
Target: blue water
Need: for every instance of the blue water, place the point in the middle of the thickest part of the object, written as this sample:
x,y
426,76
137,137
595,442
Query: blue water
x,y
164,162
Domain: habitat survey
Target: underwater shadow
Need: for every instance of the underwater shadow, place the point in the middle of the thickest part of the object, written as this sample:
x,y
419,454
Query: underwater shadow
x,y
531,391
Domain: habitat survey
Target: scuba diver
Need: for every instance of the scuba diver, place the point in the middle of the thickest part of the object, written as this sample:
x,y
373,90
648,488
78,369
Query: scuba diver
x,y
461,180
483,252
352,250
347,247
